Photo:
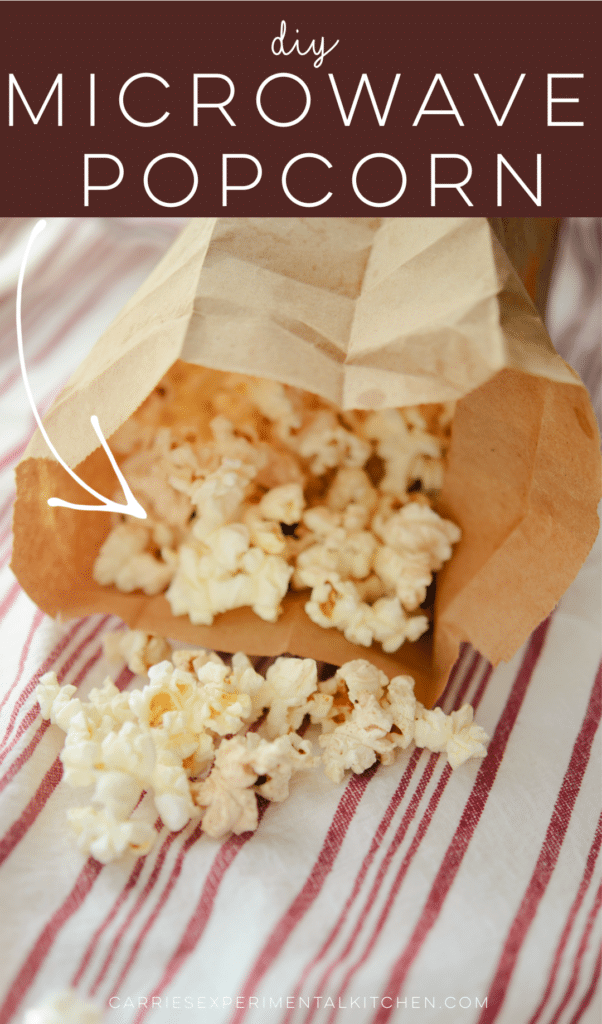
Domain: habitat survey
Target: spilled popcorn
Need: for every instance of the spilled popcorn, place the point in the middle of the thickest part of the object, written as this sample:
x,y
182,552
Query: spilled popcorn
x,y
203,738
259,487
64,1008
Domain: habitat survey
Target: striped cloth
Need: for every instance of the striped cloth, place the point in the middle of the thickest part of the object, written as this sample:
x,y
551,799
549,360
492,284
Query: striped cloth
x,y
407,892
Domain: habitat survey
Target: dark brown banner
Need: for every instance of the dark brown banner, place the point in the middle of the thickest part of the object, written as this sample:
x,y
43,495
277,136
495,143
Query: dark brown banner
x,y
294,109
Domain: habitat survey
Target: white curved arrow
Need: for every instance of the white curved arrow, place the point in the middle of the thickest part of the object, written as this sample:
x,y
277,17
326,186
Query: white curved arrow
x,y
133,507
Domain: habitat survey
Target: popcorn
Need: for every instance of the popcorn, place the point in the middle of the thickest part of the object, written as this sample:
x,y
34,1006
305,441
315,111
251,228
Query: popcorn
x,y
281,490
288,684
105,838
219,496
415,529
326,444
278,761
192,661
347,553
351,486
337,603
432,729
456,734
273,401
130,749
401,440
118,792
283,504
358,743
288,491
265,534
139,649
333,602
226,572
360,677
408,575
122,560
467,740
389,624
172,793
401,703
184,740
269,581
122,544
225,798
64,1008
47,691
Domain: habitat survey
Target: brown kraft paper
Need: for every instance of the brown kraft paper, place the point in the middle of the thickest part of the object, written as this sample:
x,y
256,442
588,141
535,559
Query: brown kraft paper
x,y
367,314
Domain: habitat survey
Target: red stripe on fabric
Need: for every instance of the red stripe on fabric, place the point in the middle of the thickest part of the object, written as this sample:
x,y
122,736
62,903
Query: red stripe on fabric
x,y
6,506
35,958
171,881
141,900
475,660
380,875
97,292
381,830
70,283
56,652
549,852
469,820
116,270
85,881
419,835
29,689
9,599
573,980
452,676
7,532
40,303
395,843
12,455
15,453
198,922
583,887
36,622
27,751
51,779
375,844
589,995
31,716
129,885
348,804
94,258
6,556
17,830
42,299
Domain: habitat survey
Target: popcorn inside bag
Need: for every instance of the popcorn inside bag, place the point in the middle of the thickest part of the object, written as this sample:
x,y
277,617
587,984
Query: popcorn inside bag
x,y
253,487
307,526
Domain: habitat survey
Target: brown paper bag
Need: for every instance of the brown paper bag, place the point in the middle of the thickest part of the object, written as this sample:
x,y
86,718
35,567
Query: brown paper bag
x,y
367,314
530,243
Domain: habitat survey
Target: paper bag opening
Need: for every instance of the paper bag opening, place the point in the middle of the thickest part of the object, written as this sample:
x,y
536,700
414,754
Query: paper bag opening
x,y
369,314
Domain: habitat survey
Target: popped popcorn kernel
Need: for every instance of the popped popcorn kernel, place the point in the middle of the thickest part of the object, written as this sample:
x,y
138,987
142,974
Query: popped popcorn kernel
x,y
184,740
139,649
64,1007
